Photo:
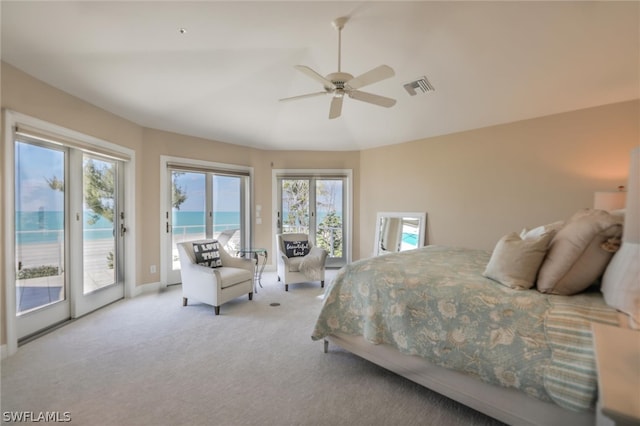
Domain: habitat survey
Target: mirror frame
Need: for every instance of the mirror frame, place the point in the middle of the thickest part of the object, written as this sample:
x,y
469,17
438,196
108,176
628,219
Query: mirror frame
x,y
421,216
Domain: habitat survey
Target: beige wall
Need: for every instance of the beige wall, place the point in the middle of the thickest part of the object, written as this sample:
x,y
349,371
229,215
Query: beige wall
x,y
475,186
479,185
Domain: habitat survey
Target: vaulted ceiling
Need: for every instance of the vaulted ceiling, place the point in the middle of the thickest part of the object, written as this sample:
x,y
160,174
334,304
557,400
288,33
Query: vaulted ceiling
x,y
221,78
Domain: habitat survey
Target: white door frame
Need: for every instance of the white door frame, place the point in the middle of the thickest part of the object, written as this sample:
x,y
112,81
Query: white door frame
x,y
11,119
166,261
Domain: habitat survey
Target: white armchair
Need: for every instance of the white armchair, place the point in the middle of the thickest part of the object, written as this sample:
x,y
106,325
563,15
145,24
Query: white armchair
x,y
214,286
298,269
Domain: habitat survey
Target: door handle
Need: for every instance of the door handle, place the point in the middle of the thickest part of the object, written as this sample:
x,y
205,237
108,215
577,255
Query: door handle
x,y
122,230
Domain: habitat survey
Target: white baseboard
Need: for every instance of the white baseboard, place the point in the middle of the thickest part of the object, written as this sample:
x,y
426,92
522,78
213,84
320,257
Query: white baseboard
x,y
147,288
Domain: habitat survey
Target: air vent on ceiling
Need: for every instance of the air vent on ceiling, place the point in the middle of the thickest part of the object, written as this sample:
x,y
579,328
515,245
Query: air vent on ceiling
x,y
422,84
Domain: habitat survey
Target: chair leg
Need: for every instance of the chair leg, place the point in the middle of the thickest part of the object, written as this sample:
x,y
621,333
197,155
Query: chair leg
x,y
322,284
184,301
216,309
251,296
286,287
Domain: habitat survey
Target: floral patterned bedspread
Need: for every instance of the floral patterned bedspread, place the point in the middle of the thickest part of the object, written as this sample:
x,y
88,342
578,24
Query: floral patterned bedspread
x,y
434,302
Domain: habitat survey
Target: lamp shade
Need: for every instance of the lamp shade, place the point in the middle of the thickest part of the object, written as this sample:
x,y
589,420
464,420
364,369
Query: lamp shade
x,y
631,231
621,280
609,200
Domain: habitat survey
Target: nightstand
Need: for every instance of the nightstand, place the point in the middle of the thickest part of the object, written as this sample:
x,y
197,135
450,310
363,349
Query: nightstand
x,y
618,363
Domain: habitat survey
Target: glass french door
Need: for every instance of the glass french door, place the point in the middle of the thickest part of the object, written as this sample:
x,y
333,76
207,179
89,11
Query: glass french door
x,y
102,227
188,213
68,255
314,206
205,204
41,235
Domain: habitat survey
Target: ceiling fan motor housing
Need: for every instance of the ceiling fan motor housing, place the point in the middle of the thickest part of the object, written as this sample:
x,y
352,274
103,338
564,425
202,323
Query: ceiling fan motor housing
x,y
339,79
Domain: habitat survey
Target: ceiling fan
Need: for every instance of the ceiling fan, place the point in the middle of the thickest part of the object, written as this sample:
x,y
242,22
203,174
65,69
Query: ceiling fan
x,y
341,83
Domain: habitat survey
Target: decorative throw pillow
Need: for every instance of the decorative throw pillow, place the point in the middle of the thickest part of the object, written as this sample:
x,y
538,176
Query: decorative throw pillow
x,y
207,254
296,248
576,258
515,261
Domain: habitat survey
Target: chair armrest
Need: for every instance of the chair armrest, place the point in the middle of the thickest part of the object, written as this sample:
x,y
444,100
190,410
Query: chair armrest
x,y
238,262
319,253
285,259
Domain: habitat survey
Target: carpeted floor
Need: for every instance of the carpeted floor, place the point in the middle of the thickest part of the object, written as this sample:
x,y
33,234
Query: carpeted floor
x,y
150,361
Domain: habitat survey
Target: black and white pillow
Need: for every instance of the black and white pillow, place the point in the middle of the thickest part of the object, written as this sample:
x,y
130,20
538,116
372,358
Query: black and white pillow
x,y
296,248
207,254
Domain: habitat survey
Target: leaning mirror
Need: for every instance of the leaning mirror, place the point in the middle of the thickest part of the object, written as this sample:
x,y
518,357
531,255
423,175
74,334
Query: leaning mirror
x,y
399,231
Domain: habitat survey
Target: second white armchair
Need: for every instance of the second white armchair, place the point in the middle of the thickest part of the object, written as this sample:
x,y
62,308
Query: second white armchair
x,y
298,260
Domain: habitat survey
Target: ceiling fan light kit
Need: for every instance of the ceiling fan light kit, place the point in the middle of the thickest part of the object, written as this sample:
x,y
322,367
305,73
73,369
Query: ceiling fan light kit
x,y
341,83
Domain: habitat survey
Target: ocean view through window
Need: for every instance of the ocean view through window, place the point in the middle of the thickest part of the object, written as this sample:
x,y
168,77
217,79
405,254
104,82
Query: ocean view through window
x,y
205,203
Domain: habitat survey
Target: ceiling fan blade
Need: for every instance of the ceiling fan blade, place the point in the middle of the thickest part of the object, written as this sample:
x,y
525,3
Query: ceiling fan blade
x,y
375,75
372,99
308,95
336,107
311,73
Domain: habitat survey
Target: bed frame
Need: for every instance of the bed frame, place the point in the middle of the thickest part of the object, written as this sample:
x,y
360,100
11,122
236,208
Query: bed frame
x,y
507,405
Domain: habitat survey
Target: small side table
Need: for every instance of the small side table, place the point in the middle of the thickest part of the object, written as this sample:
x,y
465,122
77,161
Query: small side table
x,y
255,253
618,362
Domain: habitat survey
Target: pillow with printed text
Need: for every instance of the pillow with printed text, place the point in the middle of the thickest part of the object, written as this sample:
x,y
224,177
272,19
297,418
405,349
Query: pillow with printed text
x,y
296,248
207,254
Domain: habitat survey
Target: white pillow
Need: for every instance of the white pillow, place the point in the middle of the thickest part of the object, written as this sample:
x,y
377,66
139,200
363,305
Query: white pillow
x,y
515,261
621,282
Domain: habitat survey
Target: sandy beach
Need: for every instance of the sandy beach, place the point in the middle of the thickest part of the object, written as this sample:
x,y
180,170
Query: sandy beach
x,y
97,273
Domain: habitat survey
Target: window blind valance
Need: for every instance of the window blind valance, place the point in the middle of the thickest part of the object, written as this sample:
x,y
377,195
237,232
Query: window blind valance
x,y
99,147
321,176
219,170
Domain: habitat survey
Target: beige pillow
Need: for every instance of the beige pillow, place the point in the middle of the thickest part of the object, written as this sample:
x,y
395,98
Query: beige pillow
x,y
515,261
576,259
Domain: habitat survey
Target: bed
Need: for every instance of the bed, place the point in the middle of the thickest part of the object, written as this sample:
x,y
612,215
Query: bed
x,y
515,348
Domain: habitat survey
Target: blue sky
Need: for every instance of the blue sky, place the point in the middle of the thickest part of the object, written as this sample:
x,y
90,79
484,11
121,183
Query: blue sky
x,y
35,164
226,191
